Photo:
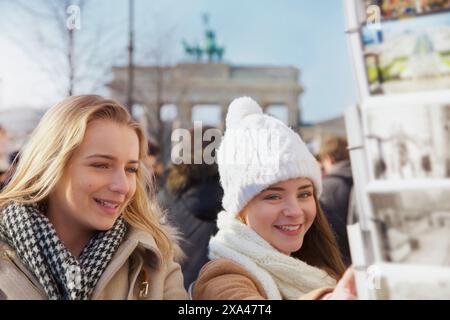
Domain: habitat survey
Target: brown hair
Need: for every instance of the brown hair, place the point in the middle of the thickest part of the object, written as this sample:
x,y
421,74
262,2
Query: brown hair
x,y
335,147
320,248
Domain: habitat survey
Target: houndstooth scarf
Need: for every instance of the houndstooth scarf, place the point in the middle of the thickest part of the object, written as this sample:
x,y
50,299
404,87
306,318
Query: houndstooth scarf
x,y
282,276
62,275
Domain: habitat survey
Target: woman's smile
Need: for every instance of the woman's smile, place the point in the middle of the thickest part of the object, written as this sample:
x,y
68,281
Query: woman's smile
x,y
108,206
290,230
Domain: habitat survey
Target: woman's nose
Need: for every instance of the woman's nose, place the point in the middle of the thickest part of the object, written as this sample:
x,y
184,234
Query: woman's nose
x,y
293,208
120,183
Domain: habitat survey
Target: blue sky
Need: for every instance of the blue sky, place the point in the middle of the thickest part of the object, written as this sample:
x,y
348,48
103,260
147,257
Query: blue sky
x,y
305,34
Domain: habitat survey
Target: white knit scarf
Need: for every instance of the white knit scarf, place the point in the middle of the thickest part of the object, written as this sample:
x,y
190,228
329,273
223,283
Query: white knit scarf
x,y
282,276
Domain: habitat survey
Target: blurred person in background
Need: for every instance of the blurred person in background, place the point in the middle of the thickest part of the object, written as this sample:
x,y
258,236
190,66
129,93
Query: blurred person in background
x,y
192,197
154,164
8,170
337,187
4,165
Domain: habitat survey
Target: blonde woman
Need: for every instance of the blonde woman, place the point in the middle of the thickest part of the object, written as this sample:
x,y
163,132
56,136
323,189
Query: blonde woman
x,y
76,221
274,241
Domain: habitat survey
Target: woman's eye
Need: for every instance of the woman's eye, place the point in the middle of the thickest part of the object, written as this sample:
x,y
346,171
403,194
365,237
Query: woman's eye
x,y
304,195
272,197
132,170
100,165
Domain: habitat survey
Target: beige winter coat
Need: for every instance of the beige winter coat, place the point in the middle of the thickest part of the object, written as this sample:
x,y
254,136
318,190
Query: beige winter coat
x,y
136,271
224,279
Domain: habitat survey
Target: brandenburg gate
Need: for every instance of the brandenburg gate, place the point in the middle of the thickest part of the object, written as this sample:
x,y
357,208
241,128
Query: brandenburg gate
x,y
186,85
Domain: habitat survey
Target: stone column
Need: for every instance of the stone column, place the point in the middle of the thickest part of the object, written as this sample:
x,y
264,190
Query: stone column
x,y
264,105
152,123
185,115
224,109
293,113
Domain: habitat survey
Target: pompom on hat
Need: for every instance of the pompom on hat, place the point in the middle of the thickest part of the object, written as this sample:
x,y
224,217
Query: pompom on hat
x,y
258,150
239,109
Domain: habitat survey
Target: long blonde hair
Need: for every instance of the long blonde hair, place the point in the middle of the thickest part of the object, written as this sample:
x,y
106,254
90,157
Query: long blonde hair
x,y
52,143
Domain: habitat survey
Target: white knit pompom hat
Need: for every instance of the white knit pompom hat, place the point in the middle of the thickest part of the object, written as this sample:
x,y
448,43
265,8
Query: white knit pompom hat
x,y
258,150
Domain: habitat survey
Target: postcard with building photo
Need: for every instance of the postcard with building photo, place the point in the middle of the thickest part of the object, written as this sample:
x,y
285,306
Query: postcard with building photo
x,y
402,9
412,282
407,55
407,141
413,225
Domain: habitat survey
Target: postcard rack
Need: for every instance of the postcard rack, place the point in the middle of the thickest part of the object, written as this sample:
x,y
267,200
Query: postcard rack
x,y
399,142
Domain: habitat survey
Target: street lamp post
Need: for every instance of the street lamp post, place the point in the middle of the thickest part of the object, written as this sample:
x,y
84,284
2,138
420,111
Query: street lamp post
x,y
130,86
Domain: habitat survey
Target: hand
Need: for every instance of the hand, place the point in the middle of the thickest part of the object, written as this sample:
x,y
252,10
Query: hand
x,y
345,288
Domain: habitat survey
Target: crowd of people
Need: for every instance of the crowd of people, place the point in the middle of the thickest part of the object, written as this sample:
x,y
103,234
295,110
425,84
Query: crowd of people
x,y
89,211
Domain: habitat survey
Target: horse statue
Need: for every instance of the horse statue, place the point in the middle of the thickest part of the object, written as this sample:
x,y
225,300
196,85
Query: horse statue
x,y
194,50
210,47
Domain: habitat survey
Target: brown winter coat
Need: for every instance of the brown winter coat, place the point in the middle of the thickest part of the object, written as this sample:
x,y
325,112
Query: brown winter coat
x,y
224,279
137,261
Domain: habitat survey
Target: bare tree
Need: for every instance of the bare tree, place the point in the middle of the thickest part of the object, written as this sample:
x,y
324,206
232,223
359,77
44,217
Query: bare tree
x,y
156,51
61,38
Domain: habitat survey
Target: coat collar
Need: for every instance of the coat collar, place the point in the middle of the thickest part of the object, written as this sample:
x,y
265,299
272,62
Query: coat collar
x,y
10,254
136,241
144,240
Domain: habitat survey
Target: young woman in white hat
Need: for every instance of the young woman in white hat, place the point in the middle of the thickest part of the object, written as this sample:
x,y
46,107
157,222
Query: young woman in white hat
x,y
274,241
